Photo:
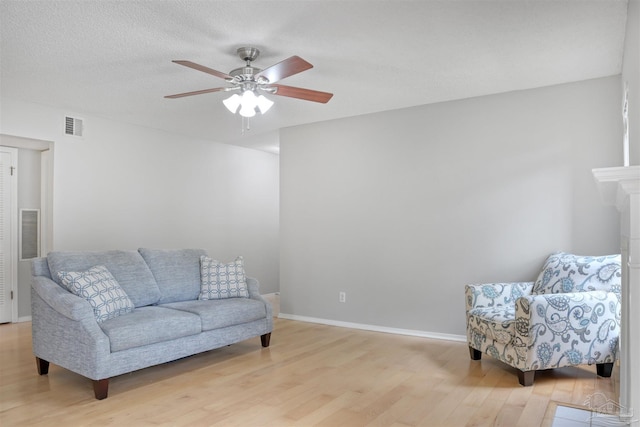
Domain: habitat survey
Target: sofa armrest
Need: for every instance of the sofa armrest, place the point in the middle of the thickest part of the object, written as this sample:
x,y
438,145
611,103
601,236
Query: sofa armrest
x,y
495,294
254,293
65,331
61,300
253,286
568,329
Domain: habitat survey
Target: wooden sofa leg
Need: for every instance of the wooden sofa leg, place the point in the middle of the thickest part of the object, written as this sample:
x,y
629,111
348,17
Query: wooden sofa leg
x,y
525,378
475,354
604,369
101,388
42,365
265,339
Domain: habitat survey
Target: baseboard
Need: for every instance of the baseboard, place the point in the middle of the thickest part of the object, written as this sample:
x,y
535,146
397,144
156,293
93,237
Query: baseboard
x,y
24,319
375,328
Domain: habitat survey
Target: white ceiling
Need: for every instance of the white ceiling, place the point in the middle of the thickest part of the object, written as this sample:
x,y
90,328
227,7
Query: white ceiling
x,y
112,59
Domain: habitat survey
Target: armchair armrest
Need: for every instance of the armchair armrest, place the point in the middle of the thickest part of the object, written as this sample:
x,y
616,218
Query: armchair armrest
x,y
568,329
495,294
61,300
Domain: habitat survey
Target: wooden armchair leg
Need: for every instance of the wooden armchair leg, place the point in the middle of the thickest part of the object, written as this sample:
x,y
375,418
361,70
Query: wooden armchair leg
x,y
42,366
475,354
265,339
604,369
525,378
101,388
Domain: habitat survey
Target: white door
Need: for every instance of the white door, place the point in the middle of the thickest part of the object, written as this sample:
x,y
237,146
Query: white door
x,y
7,239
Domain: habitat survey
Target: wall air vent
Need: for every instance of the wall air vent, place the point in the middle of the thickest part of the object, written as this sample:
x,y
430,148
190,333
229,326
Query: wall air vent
x,y
72,126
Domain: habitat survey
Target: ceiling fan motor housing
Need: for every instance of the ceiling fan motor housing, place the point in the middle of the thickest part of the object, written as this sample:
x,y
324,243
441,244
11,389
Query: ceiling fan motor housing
x,y
248,53
245,73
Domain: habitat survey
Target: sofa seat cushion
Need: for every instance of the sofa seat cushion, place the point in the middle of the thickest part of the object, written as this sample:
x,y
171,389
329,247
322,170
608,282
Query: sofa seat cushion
x,y
149,325
496,323
216,314
177,272
127,267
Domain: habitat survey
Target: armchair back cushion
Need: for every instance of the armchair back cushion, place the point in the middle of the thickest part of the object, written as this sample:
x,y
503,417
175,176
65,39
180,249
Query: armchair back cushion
x,y
567,273
127,267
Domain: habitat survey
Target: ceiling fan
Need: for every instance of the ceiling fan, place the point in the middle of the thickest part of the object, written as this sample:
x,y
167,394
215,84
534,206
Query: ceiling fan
x,y
250,81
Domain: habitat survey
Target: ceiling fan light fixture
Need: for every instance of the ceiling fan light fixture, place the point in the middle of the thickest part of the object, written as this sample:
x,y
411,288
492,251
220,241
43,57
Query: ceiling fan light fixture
x,y
247,112
249,99
233,102
264,103
248,104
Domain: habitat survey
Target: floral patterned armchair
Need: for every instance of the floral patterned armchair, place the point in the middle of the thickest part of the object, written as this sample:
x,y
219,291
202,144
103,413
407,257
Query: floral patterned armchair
x,y
569,316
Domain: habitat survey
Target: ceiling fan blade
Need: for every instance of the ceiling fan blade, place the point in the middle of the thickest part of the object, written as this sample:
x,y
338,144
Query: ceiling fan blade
x,y
197,92
204,69
286,68
300,93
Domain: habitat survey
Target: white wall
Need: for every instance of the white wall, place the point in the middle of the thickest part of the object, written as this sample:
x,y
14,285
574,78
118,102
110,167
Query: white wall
x,y
124,187
631,75
401,209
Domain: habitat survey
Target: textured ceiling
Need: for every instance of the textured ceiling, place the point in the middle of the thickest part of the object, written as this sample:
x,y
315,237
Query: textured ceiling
x,y
112,59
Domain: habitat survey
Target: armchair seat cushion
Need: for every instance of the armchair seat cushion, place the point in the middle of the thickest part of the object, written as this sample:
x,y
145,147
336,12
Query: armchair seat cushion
x,y
498,323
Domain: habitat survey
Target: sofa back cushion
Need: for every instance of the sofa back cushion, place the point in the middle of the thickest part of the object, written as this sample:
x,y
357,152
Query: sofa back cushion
x,y
177,272
565,273
127,267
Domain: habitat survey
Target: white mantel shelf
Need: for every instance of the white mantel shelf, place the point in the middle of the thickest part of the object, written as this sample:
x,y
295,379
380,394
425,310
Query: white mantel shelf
x,y
620,187
615,183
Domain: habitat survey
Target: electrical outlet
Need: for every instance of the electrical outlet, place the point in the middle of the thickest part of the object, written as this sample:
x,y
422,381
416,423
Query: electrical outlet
x,y
342,297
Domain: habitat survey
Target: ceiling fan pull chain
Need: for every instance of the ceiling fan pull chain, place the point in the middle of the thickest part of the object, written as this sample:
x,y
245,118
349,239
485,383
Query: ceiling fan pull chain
x,y
246,125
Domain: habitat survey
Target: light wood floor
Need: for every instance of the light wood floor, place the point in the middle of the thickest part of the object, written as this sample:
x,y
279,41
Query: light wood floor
x,y
312,375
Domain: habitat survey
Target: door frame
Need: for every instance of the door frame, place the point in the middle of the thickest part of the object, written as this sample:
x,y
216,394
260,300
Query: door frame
x,y
46,206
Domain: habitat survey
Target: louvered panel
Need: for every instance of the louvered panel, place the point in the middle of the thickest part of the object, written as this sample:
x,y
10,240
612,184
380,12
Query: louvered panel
x,y
73,126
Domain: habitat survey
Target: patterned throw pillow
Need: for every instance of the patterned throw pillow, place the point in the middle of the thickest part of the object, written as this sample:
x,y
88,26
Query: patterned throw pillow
x,y
220,281
101,289
565,273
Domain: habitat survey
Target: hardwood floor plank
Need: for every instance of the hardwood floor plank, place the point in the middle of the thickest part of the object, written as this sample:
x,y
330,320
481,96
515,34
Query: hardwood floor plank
x,y
310,375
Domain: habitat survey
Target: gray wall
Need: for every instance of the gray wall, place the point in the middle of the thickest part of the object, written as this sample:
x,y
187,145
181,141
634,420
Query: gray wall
x,y
401,209
123,186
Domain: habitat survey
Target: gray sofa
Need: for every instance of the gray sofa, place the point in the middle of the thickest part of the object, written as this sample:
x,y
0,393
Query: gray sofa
x,y
168,322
